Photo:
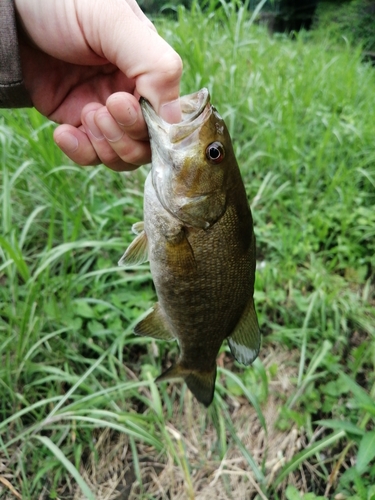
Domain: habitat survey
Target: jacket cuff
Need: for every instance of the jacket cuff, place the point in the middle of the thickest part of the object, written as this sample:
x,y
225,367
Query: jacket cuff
x,y
12,90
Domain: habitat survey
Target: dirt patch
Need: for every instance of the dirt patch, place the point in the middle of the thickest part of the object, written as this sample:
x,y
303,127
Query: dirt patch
x,y
190,466
111,473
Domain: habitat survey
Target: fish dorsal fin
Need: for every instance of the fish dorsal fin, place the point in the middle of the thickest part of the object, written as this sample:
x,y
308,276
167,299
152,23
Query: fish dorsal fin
x,y
154,325
244,342
201,384
137,251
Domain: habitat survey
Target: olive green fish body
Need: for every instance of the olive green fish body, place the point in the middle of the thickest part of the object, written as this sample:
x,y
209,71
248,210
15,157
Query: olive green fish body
x,y
198,236
203,280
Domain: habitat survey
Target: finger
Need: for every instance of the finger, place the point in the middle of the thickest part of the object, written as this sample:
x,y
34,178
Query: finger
x,y
99,143
76,145
160,86
129,150
103,149
117,151
126,111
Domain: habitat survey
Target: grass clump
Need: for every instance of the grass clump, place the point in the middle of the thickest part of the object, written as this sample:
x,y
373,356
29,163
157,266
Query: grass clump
x,y
78,407
351,20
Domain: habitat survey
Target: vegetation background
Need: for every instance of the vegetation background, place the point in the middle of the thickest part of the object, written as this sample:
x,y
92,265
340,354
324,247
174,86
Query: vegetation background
x,y
80,416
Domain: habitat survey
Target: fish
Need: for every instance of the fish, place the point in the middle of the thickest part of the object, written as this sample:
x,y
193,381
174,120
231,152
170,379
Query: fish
x,y
198,237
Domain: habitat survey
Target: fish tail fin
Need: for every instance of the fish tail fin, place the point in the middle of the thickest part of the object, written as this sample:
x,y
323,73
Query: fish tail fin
x,y
201,383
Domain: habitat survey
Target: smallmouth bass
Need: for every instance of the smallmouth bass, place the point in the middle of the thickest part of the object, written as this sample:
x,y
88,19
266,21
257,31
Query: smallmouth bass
x,y
198,237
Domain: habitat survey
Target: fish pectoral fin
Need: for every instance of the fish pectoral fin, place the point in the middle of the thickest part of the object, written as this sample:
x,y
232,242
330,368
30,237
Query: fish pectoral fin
x,y
154,325
180,255
201,384
244,342
137,251
138,227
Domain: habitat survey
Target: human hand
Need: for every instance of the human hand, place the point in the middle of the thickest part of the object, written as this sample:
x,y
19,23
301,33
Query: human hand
x,y
85,64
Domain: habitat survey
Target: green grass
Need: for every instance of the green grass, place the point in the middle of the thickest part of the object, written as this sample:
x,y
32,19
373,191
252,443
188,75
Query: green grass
x,y
301,117
347,21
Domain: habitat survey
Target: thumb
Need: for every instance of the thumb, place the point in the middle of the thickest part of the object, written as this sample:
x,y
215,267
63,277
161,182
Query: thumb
x,y
131,43
160,84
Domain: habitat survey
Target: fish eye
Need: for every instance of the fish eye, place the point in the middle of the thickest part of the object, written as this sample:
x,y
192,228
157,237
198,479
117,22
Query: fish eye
x,y
215,152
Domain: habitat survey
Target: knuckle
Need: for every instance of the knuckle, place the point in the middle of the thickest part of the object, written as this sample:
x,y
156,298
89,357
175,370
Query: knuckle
x,y
85,158
133,152
108,157
121,166
172,66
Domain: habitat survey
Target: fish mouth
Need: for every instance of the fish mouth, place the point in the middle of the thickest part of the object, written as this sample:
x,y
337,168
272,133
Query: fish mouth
x,y
195,109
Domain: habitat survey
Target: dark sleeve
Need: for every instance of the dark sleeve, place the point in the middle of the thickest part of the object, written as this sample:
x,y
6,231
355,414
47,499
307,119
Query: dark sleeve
x,y
12,91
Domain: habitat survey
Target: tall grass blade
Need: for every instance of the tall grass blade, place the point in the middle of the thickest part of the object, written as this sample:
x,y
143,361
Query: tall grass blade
x,y
68,465
366,451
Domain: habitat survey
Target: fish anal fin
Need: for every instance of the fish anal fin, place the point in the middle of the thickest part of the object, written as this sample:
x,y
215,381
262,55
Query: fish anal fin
x,y
244,342
154,325
137,252
201,384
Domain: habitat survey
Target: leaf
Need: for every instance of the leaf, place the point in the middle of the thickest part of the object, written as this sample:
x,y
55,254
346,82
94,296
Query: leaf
x,y
360,394
369,408
252,399
15,254
305,454
366,451
371,493
83,309
68,465
348,427
291,493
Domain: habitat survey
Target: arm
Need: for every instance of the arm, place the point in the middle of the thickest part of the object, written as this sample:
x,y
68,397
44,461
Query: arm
x,y
12,91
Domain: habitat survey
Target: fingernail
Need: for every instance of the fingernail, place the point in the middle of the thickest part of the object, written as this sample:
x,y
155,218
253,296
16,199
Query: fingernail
x,y
114,136
128,113
171,111
110,128
67,142
129,117
93,128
